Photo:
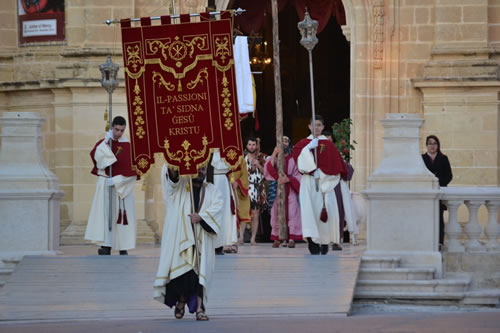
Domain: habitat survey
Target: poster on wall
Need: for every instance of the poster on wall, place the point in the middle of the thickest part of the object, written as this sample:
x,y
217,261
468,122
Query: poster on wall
x,y
41,21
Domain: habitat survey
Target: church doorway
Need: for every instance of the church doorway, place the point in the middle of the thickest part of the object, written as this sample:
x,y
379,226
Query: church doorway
x,y
331,64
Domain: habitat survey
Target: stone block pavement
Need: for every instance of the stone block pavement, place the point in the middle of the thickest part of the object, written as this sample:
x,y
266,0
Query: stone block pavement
x,y
257,290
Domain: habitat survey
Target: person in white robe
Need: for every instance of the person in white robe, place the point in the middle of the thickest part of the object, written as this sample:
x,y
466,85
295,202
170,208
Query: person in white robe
x,y
187,256
318,205
228,235
118,231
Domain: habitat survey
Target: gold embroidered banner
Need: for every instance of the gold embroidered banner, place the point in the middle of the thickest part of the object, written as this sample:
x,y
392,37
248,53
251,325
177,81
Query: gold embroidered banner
x,y
181,92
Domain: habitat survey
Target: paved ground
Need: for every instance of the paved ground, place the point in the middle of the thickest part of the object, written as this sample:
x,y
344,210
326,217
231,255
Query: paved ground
x,y
258,290
401,322
257,281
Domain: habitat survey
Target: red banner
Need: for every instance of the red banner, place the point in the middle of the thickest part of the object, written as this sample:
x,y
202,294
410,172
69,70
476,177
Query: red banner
x,y
181,92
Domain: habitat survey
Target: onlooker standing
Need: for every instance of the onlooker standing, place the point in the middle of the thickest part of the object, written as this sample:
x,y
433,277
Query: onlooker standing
x,y
439,165
255,165
291,178
344,204
239,183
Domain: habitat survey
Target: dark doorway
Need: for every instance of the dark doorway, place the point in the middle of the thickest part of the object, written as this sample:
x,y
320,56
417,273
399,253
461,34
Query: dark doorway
x,y
331,63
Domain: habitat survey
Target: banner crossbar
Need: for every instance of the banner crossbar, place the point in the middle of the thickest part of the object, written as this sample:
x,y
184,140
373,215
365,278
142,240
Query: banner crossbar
x,y
176,16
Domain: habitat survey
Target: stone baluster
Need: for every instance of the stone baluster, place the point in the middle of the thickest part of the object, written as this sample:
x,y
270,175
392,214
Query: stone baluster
x,y
453,229
492,230
473,229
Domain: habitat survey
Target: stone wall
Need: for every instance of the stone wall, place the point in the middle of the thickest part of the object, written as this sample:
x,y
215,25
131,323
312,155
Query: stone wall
x,y
437,58
482,268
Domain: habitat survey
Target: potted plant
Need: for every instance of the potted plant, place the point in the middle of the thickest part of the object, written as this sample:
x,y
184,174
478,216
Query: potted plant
x,y
341,133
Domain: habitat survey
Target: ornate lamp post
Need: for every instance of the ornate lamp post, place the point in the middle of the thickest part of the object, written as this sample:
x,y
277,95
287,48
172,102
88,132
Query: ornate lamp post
x,y
308,28
109,71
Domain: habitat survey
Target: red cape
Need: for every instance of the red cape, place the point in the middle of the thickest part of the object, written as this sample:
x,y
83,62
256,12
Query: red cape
x,y
329,159
123,166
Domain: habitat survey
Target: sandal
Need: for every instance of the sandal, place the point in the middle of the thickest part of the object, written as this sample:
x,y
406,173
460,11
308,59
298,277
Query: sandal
x,y
201,316
179,311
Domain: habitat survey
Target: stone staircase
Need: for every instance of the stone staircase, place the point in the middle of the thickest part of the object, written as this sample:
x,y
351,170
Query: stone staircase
x,y
7,267
382,279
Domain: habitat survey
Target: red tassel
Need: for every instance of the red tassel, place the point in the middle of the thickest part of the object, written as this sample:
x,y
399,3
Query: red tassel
x,y
119,220
324,215
233,206
125,222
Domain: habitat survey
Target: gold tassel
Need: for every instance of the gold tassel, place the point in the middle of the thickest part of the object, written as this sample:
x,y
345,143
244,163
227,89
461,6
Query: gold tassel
x,y
106,119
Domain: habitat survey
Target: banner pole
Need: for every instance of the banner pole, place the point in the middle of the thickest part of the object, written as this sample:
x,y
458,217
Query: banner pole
x,y
176,16
109,71
110,219
196,254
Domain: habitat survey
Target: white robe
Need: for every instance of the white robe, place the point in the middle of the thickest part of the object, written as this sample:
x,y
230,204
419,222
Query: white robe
x,y
348,208
244,86
176,256
228,234
311,201
121,237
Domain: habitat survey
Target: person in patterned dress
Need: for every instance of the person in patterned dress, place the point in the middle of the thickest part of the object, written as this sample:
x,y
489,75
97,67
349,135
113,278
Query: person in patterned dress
x,y
255,165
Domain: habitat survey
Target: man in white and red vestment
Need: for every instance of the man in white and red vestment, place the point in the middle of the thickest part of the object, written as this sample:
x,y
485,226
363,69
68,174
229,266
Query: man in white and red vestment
x,y
187,257
228,235
120,186
318,206
291,178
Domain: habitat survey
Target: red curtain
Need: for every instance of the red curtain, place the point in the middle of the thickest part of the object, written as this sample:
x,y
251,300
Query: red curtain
x,y
320,10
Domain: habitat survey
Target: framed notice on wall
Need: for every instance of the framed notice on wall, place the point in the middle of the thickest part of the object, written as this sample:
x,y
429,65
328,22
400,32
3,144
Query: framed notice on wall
x,y
41,21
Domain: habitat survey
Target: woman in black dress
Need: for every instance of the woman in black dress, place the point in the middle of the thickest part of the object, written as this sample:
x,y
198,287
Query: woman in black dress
x,y
439,165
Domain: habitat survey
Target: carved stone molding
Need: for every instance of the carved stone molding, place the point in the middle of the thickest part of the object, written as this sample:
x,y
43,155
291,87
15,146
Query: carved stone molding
x,y
378,32
346,30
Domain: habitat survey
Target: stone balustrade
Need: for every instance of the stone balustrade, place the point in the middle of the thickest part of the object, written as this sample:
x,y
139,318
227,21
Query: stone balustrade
x,y
473,198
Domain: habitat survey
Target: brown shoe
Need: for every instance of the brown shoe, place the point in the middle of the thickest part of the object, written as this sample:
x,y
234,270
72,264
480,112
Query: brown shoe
x,y
276,244
336,247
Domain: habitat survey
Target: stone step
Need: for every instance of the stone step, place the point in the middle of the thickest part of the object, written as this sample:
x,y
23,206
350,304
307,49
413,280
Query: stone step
x,y
4,272
380,262
363,296
10,262
396,273
13,260
144,233
482,297
412,286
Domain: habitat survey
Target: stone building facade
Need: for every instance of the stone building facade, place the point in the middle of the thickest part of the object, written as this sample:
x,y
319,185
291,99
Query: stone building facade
x,y
436,58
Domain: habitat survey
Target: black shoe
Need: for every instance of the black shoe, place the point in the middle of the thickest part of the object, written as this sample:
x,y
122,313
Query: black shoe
x,y
313,247
336,247
324,248
123,253
219,250
346,237
104,251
